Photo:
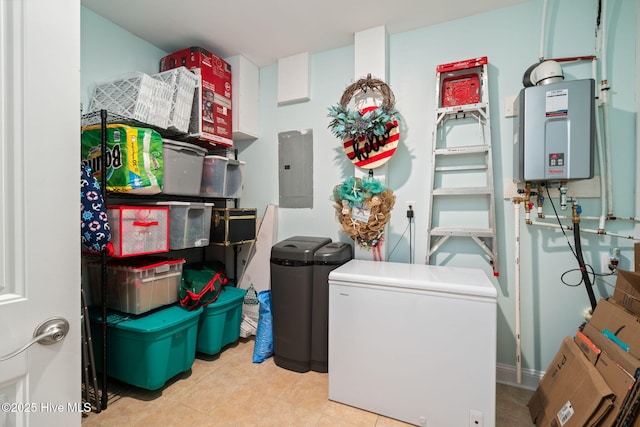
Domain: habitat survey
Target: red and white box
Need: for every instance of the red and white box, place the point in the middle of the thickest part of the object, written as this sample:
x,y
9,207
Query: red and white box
x,y
211,112
138,230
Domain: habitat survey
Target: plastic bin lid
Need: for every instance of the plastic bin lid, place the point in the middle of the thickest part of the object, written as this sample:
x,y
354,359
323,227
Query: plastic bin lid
x,y
334,252
179,145
178,203
228,295
165,318
214,157
298,248
141,264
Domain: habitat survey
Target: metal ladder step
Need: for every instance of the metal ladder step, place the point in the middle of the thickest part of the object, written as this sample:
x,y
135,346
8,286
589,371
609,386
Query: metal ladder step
x,y
460,168
462,232
462,191
466,108
465,149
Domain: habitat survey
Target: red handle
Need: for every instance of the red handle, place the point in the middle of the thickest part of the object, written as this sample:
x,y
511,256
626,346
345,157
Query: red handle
x,y
145,223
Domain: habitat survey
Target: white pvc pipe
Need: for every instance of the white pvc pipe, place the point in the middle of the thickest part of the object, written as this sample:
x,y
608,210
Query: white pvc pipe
x,y
517,293
543,24
601,159
603,40
551,225
604,96
607,147
545,216
583,230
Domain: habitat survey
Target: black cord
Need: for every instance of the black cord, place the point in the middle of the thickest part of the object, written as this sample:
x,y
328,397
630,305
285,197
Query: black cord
x,y
399,240
577,253
410,240
591,272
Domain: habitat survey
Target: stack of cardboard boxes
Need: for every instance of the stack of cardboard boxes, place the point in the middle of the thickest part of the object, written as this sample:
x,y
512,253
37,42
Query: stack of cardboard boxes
x,y
211,112
594,378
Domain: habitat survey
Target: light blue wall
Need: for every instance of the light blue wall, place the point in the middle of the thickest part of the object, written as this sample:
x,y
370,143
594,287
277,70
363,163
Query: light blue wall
x,y
510,38
107,52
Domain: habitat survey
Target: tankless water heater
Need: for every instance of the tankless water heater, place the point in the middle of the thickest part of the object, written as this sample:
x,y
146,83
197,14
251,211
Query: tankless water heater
x,y
555,136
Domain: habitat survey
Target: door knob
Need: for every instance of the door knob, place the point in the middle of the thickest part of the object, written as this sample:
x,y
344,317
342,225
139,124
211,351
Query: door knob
x,y
48,332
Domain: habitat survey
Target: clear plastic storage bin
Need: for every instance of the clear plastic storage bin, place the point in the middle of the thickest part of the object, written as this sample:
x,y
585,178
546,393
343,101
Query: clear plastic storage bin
x,y
182,167
234,179
214,175
189,224
137,285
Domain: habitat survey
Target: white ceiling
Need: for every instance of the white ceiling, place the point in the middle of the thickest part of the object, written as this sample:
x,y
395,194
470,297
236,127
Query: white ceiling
x,y
265,30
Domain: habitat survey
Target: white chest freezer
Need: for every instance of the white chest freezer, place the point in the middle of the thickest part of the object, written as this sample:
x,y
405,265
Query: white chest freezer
x,y
414,342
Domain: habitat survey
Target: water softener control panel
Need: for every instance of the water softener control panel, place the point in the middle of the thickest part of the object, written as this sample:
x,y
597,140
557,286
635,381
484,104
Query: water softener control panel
x,y
556,131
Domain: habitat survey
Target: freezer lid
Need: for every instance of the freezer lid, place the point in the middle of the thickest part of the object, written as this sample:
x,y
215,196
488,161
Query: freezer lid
x,y
444,279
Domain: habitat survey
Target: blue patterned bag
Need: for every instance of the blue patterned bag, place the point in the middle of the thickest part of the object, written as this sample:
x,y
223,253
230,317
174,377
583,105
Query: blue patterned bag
x,y
94,226
263,348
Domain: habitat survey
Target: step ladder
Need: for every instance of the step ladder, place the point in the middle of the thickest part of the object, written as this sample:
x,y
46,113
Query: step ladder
x,y
462,170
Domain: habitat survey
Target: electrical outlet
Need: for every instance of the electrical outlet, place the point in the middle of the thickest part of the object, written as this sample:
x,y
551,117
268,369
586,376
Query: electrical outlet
x,y
411,207
510,106
476,418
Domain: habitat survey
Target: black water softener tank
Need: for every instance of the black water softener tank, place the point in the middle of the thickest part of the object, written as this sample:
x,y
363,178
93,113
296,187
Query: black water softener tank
x,y
327,258
292,262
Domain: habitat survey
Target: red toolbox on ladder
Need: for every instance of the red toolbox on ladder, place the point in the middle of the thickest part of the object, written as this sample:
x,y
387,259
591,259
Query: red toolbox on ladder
x,y
461,82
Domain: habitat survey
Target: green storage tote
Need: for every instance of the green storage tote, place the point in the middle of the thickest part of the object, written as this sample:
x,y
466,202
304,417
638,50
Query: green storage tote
x,y
219,322
146,351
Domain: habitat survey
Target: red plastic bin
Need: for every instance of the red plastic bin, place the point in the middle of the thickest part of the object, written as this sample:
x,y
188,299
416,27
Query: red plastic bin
x,y
138,230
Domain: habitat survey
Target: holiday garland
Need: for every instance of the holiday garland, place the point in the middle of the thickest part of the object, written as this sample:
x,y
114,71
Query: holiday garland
x,y
363,208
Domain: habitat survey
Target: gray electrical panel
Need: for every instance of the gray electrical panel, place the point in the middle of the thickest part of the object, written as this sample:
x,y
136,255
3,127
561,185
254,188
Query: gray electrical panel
x,y
295,168
556,132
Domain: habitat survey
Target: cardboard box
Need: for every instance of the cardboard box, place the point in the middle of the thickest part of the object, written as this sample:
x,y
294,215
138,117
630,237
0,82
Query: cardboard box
x,y
625,360
619,370
572,392
589,349
211,113
620,382
627,291
622,324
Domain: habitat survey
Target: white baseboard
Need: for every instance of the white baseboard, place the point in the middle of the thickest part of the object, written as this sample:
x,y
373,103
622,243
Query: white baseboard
x,y
506,374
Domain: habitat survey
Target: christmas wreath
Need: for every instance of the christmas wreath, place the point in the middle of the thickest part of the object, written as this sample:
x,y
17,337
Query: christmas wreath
x,y
350,124
370,136
363,208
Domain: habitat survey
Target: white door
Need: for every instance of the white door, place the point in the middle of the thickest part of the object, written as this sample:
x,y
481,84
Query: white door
x,y
39,209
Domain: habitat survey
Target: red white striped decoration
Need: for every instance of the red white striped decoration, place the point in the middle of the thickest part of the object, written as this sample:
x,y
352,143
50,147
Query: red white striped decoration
x,y
372,152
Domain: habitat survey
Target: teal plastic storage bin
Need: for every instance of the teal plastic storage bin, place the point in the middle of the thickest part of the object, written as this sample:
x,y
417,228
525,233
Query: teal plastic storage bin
x,y
146,351
219,322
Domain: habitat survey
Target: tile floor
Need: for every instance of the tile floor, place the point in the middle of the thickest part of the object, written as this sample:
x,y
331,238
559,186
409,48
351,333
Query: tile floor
x,y
229,390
